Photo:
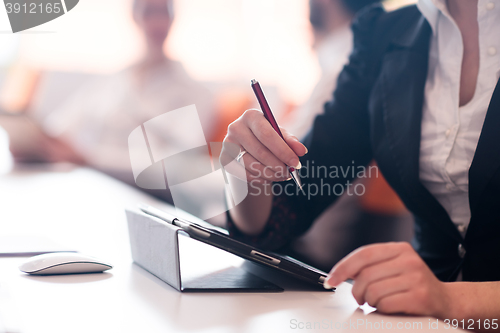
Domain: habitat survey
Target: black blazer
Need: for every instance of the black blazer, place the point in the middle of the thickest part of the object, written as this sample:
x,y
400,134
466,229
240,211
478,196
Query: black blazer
x,y
376,113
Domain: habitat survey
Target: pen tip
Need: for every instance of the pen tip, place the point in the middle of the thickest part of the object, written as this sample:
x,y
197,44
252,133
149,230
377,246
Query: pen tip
x,y
254,81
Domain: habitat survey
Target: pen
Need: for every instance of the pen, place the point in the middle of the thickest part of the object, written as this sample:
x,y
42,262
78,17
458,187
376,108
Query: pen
x,y
162,215
270,118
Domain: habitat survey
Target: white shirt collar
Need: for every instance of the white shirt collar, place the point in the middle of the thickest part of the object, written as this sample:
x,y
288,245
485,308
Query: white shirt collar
x,y
334,48
431,9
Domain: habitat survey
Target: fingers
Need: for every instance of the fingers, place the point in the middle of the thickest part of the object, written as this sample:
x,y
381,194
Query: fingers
x,y
393,278
372,275
410,294
293,142
264,133
257,171
267,154
378,290
248,168
351,266
259,151
397,303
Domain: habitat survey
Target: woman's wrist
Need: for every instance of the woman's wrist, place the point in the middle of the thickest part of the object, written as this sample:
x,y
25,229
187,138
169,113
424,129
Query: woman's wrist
x,y
250,215
453,301
472,300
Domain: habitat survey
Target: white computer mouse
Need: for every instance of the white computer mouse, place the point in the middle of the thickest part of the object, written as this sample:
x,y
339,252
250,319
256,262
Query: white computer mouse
x,y
63,263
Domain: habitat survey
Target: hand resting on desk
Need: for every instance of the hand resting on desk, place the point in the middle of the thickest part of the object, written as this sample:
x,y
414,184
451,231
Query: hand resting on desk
x,y
393,278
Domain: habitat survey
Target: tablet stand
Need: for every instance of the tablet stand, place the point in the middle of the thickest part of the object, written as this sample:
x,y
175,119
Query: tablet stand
x,y
155,247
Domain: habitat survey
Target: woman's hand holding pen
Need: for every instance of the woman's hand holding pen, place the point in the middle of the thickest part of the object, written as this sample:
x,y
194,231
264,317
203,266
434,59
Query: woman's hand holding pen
x,y
267,155
263,158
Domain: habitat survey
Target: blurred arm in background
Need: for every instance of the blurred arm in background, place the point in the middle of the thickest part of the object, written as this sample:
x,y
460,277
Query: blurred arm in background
x,y
28,142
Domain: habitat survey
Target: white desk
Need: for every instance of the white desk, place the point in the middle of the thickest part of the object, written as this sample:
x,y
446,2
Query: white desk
x,y
85,210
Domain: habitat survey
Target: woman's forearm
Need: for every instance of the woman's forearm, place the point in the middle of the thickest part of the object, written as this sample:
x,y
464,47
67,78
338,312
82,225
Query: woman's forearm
x,y
251,215
476,303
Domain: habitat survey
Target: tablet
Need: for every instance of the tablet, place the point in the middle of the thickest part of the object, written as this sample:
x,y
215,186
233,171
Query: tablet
x,y
222,241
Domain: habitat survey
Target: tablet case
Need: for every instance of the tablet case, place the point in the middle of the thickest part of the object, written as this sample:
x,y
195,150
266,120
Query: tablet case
x,y
155,247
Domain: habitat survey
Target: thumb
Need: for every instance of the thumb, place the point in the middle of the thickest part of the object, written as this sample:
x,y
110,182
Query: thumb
x,y
294,143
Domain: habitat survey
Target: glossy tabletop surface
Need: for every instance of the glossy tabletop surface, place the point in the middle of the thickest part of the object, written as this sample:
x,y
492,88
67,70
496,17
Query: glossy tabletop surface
x,y
84,210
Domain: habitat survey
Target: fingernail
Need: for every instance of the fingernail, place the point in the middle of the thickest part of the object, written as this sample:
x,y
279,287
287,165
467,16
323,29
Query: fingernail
x,y
326,285
299,166
295,163
307,150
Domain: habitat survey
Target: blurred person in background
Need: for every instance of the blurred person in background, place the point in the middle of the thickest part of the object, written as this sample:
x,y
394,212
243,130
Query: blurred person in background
x,y
352,221
331,26
93,126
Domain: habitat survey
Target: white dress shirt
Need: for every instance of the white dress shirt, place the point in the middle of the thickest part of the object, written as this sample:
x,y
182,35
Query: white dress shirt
x,y
450,133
